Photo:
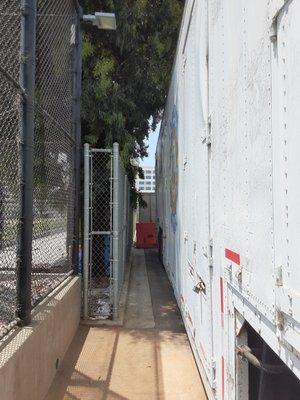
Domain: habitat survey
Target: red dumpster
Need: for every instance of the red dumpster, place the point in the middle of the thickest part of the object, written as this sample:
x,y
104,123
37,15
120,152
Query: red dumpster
x,y
146,235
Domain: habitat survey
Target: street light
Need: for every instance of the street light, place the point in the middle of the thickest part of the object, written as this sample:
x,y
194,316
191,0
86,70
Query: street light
x,y
102,20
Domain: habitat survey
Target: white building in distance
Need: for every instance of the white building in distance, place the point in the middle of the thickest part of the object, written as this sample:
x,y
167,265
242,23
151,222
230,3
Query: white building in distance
x,y
146,185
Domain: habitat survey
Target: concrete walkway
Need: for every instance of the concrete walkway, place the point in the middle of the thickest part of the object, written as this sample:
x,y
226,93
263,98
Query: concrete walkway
x,y
149,358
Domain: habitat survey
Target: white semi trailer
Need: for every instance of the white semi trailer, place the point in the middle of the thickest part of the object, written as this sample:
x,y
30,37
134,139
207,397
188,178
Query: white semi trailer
x,y
228,194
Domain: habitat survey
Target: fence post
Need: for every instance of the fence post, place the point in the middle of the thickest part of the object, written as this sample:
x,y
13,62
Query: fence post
x,y
77,132
125,225
86,229
27,81
116,228
129,222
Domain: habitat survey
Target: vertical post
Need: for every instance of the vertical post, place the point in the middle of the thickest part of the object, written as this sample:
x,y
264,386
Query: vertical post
x,y
116,228
125,225
111,266
77,133
129,222
27,81
86,229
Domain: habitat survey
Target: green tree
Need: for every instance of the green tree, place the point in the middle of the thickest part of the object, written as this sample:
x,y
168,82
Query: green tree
x,y
126,73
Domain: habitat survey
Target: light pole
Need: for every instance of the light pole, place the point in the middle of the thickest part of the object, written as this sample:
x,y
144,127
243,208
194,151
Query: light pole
x,y
106,21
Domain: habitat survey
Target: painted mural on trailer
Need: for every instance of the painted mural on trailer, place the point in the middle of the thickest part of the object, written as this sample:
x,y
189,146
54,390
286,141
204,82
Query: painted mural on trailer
x,y
174,167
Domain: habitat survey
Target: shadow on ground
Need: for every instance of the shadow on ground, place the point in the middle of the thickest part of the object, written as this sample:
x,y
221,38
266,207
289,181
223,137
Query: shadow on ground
x,y
149,358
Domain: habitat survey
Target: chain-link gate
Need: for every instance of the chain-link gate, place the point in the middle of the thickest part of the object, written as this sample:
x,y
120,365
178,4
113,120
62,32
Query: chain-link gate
x,y
106,233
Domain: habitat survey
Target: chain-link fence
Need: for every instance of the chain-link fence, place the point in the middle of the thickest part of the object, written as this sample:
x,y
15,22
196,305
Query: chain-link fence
x,y
38,39
11,98
54,146
107,236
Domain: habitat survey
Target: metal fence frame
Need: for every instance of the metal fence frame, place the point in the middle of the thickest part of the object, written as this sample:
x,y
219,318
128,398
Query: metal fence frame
x,y
120,232
28,11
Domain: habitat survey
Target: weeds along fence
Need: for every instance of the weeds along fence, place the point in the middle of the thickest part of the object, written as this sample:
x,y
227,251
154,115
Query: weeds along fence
x,y
39,151
107,231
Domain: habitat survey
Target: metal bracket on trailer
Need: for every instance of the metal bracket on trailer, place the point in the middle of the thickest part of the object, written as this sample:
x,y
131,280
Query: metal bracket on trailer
x,y
210,253
214,374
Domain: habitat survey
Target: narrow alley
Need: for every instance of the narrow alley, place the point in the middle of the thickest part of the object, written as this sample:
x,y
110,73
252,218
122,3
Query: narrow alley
x,y
148,358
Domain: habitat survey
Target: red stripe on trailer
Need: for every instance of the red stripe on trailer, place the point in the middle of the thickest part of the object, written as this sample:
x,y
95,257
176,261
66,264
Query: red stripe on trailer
x,y
222,299
223,376
181,298
232,256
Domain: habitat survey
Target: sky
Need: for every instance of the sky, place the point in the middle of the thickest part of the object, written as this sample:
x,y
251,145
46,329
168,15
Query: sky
x,y
151,142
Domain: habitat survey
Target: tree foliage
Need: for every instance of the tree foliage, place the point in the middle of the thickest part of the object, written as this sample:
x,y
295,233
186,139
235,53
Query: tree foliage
x,y
126,73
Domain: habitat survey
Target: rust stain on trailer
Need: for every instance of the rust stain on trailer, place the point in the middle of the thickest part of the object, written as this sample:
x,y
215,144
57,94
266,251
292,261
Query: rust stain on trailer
x,y
182,299
202,351
190,318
